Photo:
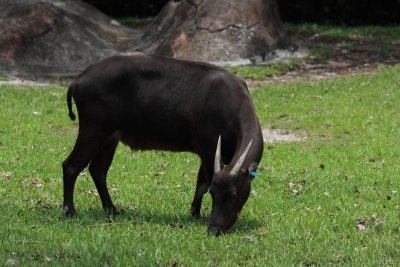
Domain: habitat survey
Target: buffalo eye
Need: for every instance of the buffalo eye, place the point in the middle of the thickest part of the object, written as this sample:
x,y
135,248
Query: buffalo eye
x,y
233,193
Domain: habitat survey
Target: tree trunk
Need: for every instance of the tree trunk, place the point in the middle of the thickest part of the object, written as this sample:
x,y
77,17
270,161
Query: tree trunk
x,y
216,31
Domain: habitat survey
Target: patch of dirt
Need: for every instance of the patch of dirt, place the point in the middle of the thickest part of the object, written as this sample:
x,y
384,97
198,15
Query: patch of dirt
x,y
278,135
346,57
315,72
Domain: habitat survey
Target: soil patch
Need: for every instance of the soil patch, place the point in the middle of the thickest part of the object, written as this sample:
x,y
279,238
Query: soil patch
x,y
345,57
19,82
278,135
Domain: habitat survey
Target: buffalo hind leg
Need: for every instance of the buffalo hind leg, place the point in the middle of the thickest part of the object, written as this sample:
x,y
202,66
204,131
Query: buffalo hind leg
x,y
89,141
203,183
98,168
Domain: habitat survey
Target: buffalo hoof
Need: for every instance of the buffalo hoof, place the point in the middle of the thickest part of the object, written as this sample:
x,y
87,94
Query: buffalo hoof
x,y
195,212
112,211
214,230
69,212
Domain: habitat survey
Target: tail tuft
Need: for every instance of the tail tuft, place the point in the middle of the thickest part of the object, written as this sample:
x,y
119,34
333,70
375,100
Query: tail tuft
x,y
70,93
72,115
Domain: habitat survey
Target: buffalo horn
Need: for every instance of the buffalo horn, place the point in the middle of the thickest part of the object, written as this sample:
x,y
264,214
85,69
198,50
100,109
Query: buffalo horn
x,y
239,163
217,161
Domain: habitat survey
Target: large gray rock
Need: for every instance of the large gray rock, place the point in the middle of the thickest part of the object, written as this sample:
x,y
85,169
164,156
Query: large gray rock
x,y
57,37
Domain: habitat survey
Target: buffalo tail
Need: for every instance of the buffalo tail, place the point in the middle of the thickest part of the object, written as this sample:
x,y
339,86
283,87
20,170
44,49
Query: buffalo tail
x,y
70,93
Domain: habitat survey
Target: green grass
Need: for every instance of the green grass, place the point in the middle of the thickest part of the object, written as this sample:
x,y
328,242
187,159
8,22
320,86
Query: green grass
x,y
330,32
320,53
4,78
260,72
303,210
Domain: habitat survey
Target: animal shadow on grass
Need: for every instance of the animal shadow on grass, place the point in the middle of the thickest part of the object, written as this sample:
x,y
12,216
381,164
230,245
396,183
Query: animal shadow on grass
x,y
177,220
93,216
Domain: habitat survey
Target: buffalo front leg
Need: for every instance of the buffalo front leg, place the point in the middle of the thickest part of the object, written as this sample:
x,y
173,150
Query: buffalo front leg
x,y
98,169
203,183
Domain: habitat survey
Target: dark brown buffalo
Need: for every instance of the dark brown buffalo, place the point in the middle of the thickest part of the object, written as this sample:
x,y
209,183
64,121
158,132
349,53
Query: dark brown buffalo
x,y
166,104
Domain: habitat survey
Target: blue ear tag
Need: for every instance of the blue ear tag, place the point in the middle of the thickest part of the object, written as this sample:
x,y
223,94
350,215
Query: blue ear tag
x,y
253,174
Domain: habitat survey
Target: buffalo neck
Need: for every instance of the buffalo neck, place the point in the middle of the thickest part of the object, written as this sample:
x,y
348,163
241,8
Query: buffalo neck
x,y
250,130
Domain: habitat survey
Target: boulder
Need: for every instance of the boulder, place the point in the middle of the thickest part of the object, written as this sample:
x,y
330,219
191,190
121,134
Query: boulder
x,y
57,37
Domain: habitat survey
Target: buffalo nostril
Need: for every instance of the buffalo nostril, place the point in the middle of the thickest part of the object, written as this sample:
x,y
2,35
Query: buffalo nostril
x,y
214,230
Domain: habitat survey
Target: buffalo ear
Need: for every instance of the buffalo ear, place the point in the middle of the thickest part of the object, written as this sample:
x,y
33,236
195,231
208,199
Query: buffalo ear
x,y
253,167
253,170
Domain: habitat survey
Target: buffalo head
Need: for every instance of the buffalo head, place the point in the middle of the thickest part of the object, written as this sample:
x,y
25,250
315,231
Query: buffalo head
x,y
230,189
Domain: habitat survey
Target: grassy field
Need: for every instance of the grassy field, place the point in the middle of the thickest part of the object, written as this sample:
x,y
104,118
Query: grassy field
x,y
330,199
